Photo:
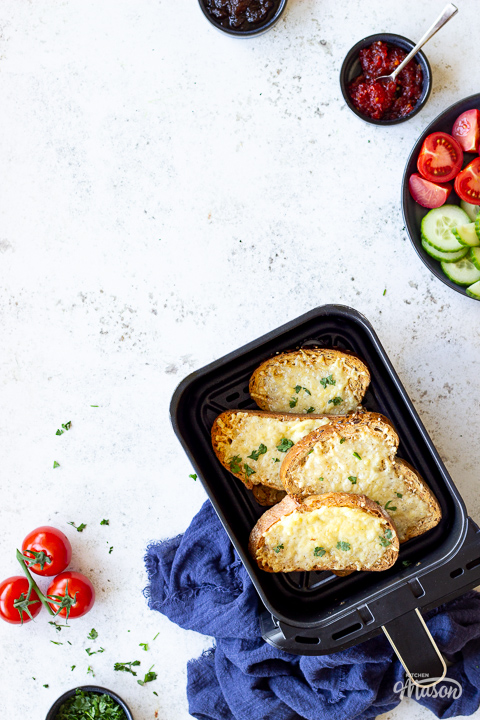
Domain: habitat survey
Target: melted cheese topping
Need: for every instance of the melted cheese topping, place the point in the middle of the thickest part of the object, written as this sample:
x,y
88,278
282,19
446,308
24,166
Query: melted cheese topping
x,y
250,431
301,532
374,475
282,379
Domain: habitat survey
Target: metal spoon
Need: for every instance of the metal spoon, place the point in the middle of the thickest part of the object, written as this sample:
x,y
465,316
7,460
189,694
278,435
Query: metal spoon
x,y
449,11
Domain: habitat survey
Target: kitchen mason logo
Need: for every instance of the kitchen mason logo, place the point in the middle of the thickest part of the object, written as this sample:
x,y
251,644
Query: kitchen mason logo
x,y
447,688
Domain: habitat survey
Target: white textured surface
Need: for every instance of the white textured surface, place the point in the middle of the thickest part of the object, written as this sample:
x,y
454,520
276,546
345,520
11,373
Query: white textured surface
x,y
169,194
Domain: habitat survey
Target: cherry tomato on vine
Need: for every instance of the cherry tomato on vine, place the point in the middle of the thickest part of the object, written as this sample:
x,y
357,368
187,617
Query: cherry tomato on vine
x,y
72,594
14,606
47,551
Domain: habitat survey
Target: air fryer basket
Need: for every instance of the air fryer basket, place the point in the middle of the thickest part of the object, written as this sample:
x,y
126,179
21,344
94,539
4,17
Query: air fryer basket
x,y
317,613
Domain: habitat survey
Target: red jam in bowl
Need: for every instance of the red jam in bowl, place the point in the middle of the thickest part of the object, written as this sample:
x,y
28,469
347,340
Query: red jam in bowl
x,y
388,101
241,14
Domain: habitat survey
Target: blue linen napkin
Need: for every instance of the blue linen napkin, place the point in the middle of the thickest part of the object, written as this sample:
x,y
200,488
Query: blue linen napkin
x,y
198,581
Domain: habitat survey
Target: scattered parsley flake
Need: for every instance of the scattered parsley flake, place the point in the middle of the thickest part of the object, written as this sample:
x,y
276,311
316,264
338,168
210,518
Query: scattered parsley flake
x,y
310,410
149,677
144,646
406,563
46,686
80,528
73,668
105,522
262,449
385,291
276,460
193,476
352,479
126,666
234,464
399,495
55,465
392,508
342,440
55,643
319,552
248,470
278,548
388,533
156,636
356,455
90,671
384,541
336,400
297,389
320,479
327,381
93,634
341,545
110,550
293,402
284,445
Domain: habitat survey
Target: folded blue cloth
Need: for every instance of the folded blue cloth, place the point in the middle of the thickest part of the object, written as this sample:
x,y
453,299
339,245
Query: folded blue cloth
x,y
198,581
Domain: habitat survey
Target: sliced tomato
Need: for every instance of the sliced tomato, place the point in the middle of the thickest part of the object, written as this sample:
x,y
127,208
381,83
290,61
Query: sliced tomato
x,y
440,158
466,130
467,183
426,193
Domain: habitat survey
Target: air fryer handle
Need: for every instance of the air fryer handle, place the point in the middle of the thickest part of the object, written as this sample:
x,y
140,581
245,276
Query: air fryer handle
x,y
416,649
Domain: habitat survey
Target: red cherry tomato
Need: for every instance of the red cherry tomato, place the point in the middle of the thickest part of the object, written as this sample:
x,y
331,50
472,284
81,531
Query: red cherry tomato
x,y
50,548
467,183
428,194
440,158
14,589
466,130
75,586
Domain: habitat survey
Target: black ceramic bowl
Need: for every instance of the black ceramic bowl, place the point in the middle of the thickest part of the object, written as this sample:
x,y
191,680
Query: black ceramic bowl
x,y
413,213
351,69
52,713
257,29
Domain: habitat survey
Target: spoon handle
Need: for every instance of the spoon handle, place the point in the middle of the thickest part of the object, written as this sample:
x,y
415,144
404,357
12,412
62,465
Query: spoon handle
x,y
449,11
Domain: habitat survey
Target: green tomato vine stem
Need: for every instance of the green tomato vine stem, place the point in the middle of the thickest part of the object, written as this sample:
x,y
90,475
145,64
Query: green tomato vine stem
x,y
32,585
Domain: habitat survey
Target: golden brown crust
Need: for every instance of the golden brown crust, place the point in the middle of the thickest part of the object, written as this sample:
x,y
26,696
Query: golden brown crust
x,y
224,426
290,504
347,425
267,496
360,384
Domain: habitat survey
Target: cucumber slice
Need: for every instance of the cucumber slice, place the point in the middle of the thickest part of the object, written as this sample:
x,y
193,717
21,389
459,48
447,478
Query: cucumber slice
x,y
446,257
474,290
474,256
437,227
462,272
472,210
467,234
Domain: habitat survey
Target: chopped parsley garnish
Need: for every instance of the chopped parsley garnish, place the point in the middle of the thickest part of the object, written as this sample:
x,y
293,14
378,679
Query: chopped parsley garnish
x,y
90,706
276,460
384,541
388,533
320,479
93,634
65,426
399,495
127,666
327,381
278,548
319,552
341,545
385,291
193,476
105,522
299,387
352,479
406,563
342,440
73,668
262,449
58,628
336,400
144,646
390,507
156,636
80,527
248,470
293,402
90,671
234,464
356,455
284,445
149,676
55,643
310,410
110,549
55,464
93,405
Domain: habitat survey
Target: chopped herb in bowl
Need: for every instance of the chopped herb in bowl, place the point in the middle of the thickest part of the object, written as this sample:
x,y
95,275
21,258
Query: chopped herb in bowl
x,y
89,703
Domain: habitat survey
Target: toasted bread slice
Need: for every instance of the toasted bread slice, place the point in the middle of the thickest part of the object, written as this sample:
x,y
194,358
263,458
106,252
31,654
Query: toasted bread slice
x,y
320,381
252,438
358,455
335,531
